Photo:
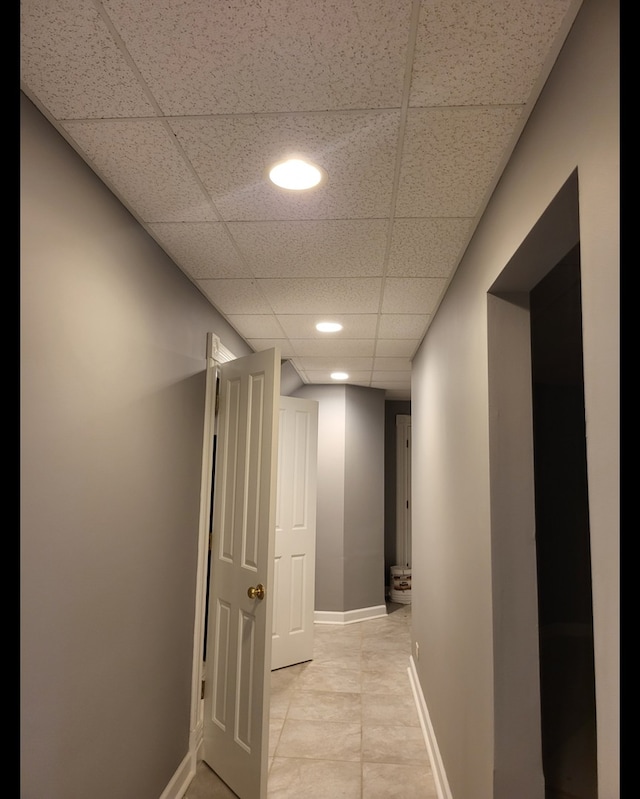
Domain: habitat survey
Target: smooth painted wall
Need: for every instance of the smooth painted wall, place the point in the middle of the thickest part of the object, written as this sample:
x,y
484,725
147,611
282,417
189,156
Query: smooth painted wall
x,y
364,498
113,342
350,498
330,510
574,126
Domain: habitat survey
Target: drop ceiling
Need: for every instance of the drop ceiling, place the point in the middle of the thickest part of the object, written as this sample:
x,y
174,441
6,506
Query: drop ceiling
x,y
411,107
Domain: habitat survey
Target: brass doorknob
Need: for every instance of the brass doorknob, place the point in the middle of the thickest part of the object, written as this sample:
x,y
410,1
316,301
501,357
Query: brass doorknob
x,y
256,592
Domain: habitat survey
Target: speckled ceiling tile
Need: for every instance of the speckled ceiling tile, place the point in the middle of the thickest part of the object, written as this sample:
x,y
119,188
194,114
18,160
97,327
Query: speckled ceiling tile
x,y
202,249
311,347
450,157
427,247
391,364
72,63
323,295
325,248
240,57
233,154
347,362
412,294
235,296
476,52
140,159
354,325
402,348
356,377
283,344
402,325
256,325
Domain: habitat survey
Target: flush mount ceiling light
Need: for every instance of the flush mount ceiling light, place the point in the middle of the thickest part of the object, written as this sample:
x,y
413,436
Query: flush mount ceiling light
x,y
296,174
339,375
328,327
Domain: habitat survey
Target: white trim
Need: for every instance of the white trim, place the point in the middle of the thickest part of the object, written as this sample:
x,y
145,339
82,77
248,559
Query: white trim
x,y
437,767
349,616
216,353
180,781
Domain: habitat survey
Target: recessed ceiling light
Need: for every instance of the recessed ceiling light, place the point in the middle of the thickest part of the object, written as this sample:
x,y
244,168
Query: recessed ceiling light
x,y
328,327
296,174
339,375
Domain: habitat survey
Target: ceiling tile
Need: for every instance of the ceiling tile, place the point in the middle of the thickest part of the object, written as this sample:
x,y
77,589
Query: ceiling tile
x,y
202,249
427,247
354,325
479,52
335,348
261,344
401,348
322,296
232,155
235,296
70,39
249,57
324,376
403,325
412,108
341,363
323,248
411,295
256,325
139,158
449,158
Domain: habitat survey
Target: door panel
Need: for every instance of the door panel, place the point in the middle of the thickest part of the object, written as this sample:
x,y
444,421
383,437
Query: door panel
x,y
236,698
295,533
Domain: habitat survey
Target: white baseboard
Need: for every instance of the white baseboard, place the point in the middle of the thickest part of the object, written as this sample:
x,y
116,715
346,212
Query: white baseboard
x,y
437,767
179,783
349,616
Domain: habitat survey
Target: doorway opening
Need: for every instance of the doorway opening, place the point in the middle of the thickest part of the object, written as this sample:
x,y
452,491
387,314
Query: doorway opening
x,y
540,568
563,553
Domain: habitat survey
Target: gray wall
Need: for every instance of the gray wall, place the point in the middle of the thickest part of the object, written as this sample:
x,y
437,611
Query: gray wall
x,y
112,399
349,526
460,618
364,498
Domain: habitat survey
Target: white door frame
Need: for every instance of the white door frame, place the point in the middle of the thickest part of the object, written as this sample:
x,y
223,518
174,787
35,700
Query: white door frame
x,y
216,354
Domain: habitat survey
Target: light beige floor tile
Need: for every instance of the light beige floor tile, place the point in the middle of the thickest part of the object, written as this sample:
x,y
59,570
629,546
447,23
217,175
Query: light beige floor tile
x,y
321,677
275,728
207,785
387,781
391,710
320,740
292,778
386,681
279,703
284,678
384,744
325,706
351,659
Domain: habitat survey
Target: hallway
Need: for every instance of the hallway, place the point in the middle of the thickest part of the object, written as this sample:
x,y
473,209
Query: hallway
x,y
344,725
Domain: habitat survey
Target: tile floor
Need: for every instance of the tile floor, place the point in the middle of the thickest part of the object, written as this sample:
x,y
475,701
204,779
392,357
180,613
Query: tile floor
x,y
344,725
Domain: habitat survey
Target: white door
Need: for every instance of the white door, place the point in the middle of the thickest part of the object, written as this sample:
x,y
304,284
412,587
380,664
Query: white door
x,y
295,544
237,678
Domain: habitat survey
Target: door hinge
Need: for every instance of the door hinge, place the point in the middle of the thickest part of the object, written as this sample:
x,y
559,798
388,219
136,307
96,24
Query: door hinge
x,y
202,690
